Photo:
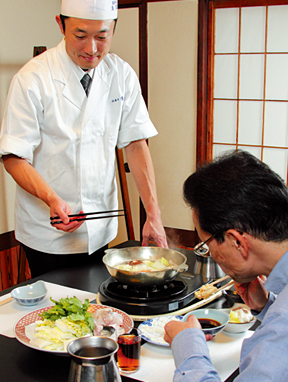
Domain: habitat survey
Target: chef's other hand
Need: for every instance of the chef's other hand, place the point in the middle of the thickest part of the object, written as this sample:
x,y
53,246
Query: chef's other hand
x,y
253,293
62,209
172,328
153,230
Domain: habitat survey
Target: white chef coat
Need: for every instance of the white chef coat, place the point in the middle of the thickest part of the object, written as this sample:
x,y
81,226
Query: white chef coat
x,y
70,140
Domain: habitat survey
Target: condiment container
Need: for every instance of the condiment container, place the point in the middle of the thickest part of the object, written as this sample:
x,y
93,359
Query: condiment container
x,y
206,266
93,360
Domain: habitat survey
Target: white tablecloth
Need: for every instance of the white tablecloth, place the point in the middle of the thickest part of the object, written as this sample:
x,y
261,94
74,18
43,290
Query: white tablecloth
x,y
11,312
157,363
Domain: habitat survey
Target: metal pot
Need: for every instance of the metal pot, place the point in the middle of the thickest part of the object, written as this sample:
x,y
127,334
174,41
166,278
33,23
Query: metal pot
x,y
206,266
114,257
93,360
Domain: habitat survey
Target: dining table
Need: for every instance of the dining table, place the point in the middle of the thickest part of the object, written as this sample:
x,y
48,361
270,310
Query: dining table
x,y
24,364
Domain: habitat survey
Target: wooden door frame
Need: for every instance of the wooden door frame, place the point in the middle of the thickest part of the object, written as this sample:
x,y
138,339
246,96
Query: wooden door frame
x,y
202,81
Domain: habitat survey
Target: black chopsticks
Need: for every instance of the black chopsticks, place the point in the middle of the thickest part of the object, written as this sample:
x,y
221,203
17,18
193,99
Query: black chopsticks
x,y
83,216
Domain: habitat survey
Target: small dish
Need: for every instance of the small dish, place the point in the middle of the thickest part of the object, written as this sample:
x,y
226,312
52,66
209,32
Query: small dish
x,y
30,295
210,318
152,330
239,328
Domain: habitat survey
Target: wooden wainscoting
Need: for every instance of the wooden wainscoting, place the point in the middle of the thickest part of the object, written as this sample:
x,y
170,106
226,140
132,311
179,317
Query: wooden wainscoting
x,y
181,238
14,268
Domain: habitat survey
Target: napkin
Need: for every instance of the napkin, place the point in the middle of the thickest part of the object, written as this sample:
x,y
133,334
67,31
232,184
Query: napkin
x,y
11,312
157,363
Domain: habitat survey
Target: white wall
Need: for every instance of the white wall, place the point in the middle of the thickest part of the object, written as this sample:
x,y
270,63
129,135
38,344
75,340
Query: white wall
x,y
172,98
23,25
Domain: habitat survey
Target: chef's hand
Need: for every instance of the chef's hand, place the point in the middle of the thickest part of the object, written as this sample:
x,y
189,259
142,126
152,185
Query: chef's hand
x,y
153,230
172,328
62,209
253,293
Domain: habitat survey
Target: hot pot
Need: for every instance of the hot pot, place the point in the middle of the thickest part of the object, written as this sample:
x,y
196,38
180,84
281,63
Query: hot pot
x,y
114,257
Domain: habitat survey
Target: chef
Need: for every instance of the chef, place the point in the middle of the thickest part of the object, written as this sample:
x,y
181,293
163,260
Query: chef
x,y
67,109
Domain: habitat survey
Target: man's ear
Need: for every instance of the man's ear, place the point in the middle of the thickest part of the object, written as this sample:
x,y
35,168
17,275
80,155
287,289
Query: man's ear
x,y
59,22
238,240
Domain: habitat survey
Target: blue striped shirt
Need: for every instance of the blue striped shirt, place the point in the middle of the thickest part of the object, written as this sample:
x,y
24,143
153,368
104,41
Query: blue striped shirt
x,y
263,356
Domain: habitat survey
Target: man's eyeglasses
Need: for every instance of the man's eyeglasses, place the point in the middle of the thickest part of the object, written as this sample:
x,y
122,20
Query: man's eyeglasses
x,y
199,248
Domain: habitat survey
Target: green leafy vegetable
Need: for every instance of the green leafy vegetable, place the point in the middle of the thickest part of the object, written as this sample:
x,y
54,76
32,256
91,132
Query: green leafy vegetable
x,y
72,308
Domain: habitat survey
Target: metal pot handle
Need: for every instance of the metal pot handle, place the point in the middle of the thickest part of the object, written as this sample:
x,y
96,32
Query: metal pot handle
x,y
181,268
109,250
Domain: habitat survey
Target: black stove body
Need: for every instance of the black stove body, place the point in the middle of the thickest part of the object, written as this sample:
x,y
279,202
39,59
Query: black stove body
x,y
156,300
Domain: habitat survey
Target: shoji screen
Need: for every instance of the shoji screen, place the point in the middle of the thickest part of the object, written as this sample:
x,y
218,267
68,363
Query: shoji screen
x,y
249,98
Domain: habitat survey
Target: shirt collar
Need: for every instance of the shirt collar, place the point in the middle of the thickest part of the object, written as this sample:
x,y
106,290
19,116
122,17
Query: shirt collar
x,y
278,278
80,72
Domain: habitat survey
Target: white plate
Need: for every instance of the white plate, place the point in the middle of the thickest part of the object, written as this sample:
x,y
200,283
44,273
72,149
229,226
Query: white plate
x,y
152,330
30,318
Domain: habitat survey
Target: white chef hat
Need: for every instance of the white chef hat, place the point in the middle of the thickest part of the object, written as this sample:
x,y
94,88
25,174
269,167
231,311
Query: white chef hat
x,y
90,9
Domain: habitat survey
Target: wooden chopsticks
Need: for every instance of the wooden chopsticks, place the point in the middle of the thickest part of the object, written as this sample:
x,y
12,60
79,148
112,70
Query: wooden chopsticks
x,y
83,216
6,300
226,286
189,308
219,280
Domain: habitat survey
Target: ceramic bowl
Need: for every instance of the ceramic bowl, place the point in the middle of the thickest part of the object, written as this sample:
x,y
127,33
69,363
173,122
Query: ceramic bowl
x,y
30,294
210,314
239,328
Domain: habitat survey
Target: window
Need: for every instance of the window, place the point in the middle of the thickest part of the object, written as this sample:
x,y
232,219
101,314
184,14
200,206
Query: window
x,y
247,81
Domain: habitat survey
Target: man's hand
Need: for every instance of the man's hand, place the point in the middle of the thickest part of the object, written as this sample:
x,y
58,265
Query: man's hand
x,y
253,294
172,328
153,230
62,209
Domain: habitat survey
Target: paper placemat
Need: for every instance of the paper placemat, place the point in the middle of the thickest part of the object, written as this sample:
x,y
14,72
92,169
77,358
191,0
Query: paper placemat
x,y
11,312
157,363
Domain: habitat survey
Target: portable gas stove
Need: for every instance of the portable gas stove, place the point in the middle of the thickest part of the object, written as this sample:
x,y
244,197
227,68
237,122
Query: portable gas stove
x,y
150,300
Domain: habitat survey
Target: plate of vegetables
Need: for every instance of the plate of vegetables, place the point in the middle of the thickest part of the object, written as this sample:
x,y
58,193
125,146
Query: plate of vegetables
x,y
50,329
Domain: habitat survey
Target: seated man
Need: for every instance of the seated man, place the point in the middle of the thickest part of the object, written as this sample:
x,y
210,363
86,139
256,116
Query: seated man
x,y
243,209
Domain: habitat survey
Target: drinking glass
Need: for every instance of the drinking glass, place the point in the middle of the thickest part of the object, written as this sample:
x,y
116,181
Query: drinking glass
x,y
129,351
